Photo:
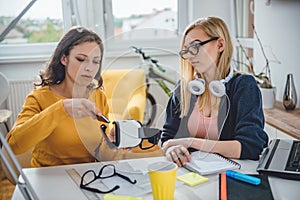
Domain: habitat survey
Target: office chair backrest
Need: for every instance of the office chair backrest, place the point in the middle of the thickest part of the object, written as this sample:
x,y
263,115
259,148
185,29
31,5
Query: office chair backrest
x,y
4,88
9,160
23,159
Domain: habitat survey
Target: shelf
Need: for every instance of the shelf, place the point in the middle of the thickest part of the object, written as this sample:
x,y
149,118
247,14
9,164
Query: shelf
x,y
283,120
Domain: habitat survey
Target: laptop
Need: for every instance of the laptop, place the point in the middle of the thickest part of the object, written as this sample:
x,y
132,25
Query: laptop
x,y
281,158
10,161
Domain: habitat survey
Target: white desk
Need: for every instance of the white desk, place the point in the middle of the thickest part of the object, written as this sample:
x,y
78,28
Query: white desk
x,y
55,183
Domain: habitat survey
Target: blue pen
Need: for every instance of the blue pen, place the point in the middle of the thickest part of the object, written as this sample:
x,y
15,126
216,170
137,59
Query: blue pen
x,y
243,177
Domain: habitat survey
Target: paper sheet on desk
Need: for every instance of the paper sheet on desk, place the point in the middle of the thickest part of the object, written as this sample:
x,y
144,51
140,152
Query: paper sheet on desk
x,y
141,188
138,173
122,167
136,166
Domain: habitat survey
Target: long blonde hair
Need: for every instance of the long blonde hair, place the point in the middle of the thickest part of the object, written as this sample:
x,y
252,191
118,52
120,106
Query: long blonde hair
x,y
213,27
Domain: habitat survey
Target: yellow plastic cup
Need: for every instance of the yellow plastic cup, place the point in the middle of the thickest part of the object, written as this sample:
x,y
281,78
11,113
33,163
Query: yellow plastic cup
x,y
163,178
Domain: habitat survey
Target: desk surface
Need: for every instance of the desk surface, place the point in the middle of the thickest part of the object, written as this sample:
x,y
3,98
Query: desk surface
x,y
286,121
55,183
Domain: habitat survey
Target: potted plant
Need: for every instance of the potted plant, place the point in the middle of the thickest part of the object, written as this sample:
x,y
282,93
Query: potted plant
x,y
263,78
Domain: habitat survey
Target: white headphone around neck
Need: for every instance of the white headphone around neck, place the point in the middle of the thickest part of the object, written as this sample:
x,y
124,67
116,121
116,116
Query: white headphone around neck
x,y
216,87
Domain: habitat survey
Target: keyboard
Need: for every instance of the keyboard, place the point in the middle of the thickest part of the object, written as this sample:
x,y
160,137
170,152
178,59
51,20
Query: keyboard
x,y
293,163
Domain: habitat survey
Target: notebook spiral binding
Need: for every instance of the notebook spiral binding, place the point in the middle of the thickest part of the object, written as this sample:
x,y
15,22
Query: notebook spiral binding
x,y
206,163
229,160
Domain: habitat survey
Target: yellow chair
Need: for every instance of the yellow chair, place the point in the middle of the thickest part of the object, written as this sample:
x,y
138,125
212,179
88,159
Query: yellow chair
x,y
126,94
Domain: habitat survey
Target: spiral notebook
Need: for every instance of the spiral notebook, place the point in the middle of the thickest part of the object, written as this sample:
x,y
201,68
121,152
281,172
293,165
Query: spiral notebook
x,y
206,163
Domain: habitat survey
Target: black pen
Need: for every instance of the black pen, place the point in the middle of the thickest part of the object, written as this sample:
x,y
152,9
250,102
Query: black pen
x,y
102,118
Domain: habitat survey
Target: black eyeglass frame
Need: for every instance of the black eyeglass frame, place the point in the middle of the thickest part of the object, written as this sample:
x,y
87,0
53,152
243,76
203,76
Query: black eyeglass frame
x,y
197,46
85,185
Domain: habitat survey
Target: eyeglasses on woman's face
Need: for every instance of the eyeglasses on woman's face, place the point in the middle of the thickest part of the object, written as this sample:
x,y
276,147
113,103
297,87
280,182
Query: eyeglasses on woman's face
x,y
194,48
106,171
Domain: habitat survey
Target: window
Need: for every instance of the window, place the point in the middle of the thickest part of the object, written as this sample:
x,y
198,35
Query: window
x,y
41,22
145,19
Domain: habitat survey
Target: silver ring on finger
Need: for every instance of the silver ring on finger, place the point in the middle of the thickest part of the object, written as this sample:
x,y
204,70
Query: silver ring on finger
x,y
174,155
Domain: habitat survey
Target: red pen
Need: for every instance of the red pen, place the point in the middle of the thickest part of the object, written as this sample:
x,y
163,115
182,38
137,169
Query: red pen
x,y
223,186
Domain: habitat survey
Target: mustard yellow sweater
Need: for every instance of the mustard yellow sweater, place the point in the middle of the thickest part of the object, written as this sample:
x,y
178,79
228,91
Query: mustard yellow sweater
x,y
57,138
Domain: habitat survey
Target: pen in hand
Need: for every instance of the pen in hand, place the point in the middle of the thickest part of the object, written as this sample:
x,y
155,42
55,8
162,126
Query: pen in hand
x,y
243,177
102,118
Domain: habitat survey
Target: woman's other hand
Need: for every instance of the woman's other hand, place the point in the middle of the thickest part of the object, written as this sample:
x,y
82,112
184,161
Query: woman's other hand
x,y
178,154
112,135
80,107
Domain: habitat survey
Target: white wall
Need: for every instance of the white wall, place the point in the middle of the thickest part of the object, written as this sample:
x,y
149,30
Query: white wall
x,y
278,26
22,70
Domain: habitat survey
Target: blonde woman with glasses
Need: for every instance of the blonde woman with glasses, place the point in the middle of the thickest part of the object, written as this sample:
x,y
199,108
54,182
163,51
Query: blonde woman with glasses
x,y
212,108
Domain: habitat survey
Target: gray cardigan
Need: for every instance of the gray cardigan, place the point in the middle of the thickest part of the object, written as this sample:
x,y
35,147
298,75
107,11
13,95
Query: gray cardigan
x,y
245,121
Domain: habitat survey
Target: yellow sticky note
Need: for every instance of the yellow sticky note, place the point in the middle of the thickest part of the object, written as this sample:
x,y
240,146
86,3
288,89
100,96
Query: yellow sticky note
x,y
120,197
192,178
